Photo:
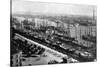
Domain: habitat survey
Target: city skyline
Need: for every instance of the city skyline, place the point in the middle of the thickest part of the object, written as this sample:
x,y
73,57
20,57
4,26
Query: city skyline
x,y
29,7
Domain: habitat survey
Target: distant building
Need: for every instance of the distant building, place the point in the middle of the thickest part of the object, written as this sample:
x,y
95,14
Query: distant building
x,y
44,22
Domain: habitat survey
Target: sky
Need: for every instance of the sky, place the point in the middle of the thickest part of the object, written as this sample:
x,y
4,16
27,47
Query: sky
x,y
20,6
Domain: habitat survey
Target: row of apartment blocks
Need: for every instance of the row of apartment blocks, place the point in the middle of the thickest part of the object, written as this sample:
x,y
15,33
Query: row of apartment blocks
x,y
75,30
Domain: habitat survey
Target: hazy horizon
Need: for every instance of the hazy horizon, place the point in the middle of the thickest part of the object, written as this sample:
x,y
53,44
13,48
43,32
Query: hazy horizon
x,y
31,7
